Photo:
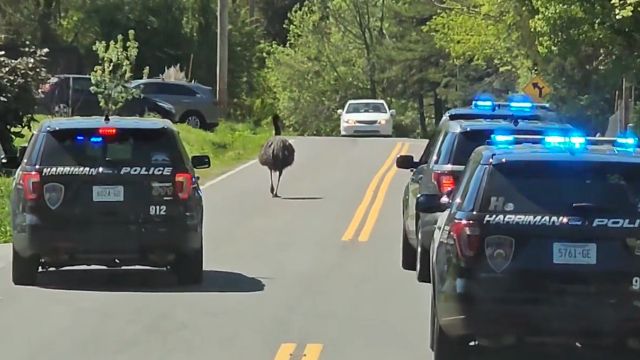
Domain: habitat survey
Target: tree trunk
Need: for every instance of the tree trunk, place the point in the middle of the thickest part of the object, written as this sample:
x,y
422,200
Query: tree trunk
x,y
422,117
438,108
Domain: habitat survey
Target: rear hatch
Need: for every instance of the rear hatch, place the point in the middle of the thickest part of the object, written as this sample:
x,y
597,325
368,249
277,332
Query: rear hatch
x,y
560,226
112,176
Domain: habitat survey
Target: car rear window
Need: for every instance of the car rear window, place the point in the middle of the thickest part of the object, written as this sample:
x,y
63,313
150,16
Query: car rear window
x,y
467,141
562,187
129,147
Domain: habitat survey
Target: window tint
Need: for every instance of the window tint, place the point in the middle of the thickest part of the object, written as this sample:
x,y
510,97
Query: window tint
x,y
461,191
81,84
547,187
131,147
444,150
468,141
175,90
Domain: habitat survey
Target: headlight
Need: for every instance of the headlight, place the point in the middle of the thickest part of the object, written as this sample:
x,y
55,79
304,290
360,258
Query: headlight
x,y
382,122
349,121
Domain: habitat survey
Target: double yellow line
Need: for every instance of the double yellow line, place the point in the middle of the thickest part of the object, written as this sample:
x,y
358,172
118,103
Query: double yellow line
x,y
389,167
311,352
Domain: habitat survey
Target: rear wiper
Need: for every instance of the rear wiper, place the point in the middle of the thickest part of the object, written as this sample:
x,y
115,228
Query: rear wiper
x,y
589,207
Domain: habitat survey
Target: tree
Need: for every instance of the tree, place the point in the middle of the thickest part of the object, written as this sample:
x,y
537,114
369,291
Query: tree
x,y
111,77
20,79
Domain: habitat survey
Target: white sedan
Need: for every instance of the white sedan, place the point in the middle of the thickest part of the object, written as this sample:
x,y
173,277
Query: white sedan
x,y
366,117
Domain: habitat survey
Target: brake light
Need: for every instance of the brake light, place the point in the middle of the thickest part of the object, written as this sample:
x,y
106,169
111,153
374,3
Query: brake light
x,y
31,185
107,131
183,184
445,181
466,236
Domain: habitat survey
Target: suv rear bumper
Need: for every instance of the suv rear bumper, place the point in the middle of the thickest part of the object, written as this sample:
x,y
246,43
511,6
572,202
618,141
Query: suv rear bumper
x,y
559,314
131,244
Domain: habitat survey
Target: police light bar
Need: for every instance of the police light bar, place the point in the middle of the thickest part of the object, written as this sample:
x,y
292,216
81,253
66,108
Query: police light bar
x,y
565,141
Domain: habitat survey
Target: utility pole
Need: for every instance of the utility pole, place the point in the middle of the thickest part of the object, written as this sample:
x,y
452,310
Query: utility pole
x,y
223,52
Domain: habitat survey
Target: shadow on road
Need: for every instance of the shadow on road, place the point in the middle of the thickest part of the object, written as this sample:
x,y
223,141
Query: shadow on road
x,y
301,198
145,280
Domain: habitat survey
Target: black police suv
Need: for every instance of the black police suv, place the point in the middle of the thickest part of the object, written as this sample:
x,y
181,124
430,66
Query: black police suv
x,y
438,170
538,240
112,192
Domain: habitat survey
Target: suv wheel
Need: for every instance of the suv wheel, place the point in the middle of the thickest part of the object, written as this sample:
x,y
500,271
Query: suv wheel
x,y
423,273
24,269
408,253
194,120
188,268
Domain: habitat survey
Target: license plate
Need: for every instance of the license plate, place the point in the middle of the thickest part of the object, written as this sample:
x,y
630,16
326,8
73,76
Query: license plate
x,y
108,193
574,253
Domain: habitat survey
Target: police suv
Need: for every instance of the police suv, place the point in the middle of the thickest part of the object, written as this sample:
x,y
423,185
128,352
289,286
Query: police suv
x,y
112,192
443,160
541,239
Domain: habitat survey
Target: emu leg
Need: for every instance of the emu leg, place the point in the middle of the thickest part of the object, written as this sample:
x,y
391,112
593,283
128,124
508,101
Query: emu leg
x,y
271,181
278,185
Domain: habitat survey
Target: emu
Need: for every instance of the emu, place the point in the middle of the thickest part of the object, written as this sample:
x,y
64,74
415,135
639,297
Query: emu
x,y
277,154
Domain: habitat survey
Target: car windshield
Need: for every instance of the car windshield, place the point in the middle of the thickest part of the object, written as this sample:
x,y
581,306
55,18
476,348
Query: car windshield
x,y
139,147
563,187
366,107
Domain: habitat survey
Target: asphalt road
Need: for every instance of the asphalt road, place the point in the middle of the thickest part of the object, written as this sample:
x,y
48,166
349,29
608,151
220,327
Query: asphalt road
x,y
313,275
280,281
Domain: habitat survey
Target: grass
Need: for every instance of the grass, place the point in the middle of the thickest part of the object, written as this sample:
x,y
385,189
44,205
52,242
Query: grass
x,y
228,146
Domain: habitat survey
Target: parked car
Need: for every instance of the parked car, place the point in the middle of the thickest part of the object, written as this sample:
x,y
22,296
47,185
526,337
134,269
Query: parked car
x,y
195,104
70,95
366,117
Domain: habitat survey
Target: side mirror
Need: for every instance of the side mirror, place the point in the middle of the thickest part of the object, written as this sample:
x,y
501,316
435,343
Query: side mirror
x,y
339,112
201,161
392,112
405,162
430,203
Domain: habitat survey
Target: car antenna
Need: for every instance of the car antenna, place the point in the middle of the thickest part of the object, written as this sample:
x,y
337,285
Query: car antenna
x,y
106,118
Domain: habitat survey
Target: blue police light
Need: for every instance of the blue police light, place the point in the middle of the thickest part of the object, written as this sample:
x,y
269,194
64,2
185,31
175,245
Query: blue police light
x,y
95,139
578,142
483,102
79,138
554,141
628,142
520,102
502,140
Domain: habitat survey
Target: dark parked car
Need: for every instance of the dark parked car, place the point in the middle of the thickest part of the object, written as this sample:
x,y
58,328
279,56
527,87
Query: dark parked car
x,y
113,193
539,240
438,169
70,95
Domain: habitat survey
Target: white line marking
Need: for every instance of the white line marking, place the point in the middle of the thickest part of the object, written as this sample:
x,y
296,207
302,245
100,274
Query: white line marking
x,y
226,175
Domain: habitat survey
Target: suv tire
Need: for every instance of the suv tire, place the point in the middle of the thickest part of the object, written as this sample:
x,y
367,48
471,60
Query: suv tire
x,y
408,253
188,268
24,270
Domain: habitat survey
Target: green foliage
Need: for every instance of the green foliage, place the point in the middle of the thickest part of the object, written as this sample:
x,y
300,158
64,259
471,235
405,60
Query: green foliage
x,y
111,78
19,82
5,212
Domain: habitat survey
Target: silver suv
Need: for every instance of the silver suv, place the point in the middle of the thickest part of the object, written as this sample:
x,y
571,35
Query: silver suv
x,y
195,104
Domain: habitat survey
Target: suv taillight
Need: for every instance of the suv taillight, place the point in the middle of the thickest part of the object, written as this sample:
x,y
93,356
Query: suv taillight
x,y
183,184
445,181
31,185
466,235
